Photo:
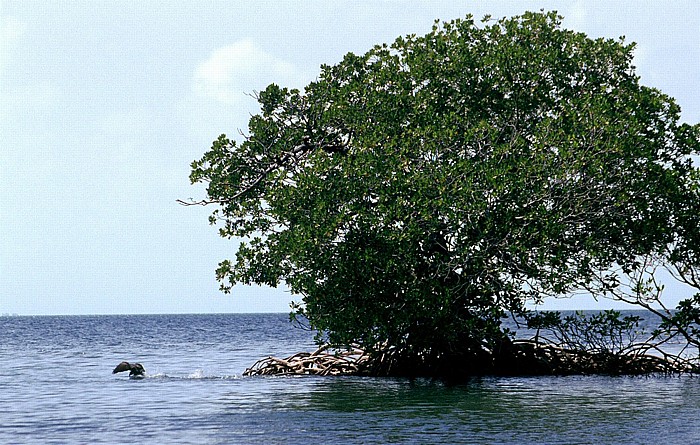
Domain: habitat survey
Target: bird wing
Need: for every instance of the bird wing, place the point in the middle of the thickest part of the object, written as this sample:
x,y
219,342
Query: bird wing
x,y
123,366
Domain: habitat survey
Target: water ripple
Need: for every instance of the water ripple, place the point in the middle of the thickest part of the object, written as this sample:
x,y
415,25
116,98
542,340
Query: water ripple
x,y
60,389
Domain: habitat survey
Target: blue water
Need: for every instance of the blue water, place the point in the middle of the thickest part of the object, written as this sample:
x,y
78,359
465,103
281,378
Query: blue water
x,y
56,386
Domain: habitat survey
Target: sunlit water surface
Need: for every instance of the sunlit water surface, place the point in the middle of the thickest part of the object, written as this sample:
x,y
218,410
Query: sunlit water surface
x,y
56,386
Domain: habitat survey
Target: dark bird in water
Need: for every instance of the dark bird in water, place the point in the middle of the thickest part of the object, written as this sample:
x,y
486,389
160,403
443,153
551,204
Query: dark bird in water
x,y
135,369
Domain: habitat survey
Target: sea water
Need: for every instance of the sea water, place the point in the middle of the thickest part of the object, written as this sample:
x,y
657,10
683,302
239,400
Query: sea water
x,y
57,386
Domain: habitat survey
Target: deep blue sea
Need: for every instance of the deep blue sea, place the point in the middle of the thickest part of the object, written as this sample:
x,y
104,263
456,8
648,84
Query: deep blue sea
x,y
57,387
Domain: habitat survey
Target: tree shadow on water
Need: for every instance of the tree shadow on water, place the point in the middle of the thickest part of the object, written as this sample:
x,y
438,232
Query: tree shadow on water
x,y
423,396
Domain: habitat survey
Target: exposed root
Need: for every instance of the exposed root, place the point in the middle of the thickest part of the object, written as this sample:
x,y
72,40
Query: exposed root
x,y
525,357
320,362
530,357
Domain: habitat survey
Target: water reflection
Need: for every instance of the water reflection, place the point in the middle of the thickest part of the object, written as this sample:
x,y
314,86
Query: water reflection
x,y
487,410
194,395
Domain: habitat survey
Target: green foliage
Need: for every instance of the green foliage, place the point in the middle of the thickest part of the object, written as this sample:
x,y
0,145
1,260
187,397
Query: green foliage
x,y
687,315
414,194
685,321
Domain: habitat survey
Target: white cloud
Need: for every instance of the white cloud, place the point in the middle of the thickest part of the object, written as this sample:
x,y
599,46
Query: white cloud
x,y
34,97
577,17
237,70
11,29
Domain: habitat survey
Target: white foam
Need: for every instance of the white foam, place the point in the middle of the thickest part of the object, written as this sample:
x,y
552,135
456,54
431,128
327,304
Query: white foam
x,y
197,374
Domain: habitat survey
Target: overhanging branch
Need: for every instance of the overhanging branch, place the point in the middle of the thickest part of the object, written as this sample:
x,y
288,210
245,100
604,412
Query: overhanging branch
x,y
296,153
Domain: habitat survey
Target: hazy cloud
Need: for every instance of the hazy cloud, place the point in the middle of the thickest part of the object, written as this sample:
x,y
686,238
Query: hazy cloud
x,y
232,72
11,29
577,16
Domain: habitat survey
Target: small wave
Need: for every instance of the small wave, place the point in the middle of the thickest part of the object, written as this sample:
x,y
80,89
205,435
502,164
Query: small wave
x,y
196,375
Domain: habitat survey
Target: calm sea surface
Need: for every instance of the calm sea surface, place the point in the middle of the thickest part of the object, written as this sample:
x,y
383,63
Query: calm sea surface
x,y
56,386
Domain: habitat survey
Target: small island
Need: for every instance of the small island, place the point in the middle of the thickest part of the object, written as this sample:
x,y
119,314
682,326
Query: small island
x,y
417,195
604,343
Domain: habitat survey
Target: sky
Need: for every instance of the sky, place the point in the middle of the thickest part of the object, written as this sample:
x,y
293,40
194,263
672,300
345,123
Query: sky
x,y
104,105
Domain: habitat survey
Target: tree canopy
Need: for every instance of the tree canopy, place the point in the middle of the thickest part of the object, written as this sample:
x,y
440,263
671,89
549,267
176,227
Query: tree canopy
x,y
413,195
